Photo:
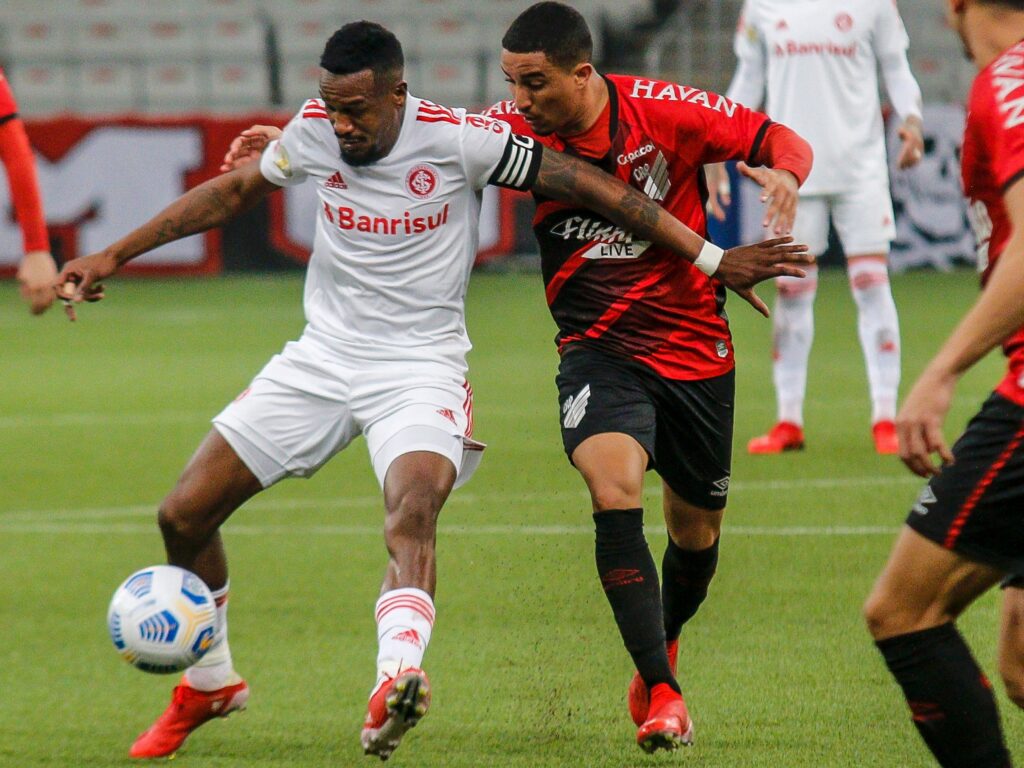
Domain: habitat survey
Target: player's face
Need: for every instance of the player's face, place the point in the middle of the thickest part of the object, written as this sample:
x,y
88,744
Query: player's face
x,y
549,97
366,113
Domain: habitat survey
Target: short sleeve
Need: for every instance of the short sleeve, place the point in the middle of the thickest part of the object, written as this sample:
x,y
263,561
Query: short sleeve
x,y
730,131
1009,148
282,160
492,154
889,35
8,106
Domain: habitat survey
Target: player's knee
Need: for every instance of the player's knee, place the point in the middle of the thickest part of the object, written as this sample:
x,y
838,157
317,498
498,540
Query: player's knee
x,y
179,520
414,512
1013,682
883,617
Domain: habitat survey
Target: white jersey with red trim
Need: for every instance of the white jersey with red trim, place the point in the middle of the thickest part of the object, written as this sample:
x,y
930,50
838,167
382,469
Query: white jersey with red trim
x,y
396,239
820,58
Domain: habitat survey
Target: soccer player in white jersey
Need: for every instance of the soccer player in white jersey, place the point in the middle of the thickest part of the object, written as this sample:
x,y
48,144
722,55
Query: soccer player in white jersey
x,y
384,349
818,59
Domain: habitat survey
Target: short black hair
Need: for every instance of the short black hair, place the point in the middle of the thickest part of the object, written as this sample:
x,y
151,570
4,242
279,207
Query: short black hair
x,y
363,45
1016,5
555,29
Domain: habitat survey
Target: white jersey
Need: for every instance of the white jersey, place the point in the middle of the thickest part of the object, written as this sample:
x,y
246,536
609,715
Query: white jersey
x,y
396,239
820,58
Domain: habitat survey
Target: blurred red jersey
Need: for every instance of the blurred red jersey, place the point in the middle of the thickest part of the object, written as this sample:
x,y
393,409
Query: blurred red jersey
x,y
8,107
992,160
624,296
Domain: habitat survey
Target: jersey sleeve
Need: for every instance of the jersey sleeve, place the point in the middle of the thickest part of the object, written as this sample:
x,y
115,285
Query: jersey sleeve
x,y
731,132
1008,149
748,81
8,106
889,36
493,154
283,161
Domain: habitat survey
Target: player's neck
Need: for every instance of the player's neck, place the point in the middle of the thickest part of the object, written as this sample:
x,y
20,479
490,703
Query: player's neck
x,y
989,31
595,98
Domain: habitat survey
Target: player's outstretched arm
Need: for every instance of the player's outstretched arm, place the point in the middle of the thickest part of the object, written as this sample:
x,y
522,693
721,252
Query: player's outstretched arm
x,y
998,312
569,179
211,204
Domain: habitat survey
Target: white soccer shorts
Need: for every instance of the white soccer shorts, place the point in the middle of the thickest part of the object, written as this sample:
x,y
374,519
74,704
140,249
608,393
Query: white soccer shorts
x,y
863,219
306,405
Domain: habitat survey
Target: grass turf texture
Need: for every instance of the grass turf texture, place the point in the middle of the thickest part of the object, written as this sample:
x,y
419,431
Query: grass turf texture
x,y
98,418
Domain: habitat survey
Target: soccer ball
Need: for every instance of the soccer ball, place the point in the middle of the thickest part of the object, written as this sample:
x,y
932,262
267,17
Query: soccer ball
x,y
162,619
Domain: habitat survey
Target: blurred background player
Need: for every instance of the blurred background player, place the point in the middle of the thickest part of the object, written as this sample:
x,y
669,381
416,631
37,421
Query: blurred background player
x,y
966,531
818,59
37,270
383,352
646,376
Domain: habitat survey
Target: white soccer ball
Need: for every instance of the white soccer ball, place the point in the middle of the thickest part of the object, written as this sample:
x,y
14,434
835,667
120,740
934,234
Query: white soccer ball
x,y
162,619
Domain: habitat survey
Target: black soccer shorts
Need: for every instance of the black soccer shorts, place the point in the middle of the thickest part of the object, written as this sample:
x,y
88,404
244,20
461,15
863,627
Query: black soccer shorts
x,y
685,426
975,506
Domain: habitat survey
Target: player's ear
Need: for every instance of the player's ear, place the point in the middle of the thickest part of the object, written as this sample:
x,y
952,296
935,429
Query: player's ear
x,y
582,73
399,92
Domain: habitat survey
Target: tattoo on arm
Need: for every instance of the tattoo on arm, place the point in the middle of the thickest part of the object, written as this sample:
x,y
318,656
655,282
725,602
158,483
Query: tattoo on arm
x,y
573,180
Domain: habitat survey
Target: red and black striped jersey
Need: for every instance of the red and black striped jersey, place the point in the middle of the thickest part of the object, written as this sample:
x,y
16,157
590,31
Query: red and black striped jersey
x,y
607,289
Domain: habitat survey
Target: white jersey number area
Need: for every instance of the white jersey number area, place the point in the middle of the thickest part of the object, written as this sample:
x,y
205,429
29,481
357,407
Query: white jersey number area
x,y
396,239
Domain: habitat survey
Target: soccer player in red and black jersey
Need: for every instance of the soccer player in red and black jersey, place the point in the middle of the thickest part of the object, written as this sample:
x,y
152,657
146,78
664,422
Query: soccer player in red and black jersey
x,y
965,533
37,270
646,376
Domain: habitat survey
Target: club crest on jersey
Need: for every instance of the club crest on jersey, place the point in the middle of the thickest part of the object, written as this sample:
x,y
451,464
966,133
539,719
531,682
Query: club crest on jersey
x,y
844,22
422,181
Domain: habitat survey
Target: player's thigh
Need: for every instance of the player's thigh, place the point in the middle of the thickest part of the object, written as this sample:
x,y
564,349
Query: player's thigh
x,y
608,423
975,506
429,411
214,483
693,448
864,221
923,585
810,226
280,427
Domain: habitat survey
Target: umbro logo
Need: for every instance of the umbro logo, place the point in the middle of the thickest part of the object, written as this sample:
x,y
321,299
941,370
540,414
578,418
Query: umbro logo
x,y
575,408
336,182
926,497
722,486
620,577
782,24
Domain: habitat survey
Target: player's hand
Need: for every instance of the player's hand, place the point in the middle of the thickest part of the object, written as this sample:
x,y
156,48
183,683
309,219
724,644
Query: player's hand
x,y
248,146
912,149
919,423
744,267
719,189
35,276
79,280
779,191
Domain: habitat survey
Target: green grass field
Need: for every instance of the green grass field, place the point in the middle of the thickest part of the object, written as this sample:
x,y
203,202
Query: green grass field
x,y
98,418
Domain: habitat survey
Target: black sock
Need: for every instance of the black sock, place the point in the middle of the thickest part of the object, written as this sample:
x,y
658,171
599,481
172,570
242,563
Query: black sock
x,y
630,582
685,576
950,698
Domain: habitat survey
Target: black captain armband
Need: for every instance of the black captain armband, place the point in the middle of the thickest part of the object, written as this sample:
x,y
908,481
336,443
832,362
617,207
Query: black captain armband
x,y
520,164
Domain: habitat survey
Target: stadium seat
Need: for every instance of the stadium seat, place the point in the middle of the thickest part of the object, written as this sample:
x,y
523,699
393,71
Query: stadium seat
x,y
175,87
448,80
107,87
169,38
106,38
300,39
231,38
32,37
298,82
42,87
238,86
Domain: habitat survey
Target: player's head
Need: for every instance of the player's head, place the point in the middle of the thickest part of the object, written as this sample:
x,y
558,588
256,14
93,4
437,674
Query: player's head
x,y
362,87
546,59
975,20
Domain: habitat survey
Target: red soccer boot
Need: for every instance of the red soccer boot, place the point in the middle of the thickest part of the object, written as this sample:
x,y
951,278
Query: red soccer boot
x,y
638,697
668,725
395,707
784,436
189,709
886,442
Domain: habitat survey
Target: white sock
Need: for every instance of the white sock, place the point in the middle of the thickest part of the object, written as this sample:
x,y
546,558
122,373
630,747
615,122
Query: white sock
x,y
215,670
879,328
405,618
793,328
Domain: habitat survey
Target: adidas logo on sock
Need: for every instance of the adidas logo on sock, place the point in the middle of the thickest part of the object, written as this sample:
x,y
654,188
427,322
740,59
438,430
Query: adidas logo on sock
x,y
410,636
336,182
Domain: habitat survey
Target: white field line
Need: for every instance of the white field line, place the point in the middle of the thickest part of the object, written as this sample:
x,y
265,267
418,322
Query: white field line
x,y
233,529
485,500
